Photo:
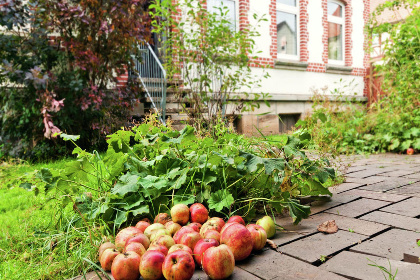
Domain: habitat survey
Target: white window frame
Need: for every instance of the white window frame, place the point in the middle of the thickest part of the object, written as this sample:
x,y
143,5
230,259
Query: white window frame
x,y
291,10
236,12
339,20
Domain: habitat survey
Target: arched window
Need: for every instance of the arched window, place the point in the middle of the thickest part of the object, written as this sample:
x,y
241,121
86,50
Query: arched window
x,y
287,14
336,34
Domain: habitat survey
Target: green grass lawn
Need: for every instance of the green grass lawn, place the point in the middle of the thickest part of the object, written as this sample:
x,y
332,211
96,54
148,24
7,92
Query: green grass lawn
x,y
38,238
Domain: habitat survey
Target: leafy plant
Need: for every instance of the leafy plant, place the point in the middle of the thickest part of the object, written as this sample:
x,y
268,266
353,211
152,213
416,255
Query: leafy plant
x,y
212,58
387,273
149,169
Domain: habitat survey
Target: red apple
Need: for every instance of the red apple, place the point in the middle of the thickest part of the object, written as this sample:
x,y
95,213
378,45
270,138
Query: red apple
x,y
142,225
162,218
268,224
148,231
217,220
236,219
199,213
107,258
178,265
124,235
180,214
172,227
410,151
126,266
160,248
201,246
226,226
141,238
214,234
181,232
212,224
190,239
151,265
103,247
135,247
183,247
164,240
218,262
258,235
238,238
147,220
195,226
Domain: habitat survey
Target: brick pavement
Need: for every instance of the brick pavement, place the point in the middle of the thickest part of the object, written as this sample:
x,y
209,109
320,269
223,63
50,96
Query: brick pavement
x,y
377,211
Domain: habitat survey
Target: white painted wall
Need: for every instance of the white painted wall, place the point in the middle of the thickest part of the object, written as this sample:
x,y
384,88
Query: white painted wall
x,y
315,30
357,35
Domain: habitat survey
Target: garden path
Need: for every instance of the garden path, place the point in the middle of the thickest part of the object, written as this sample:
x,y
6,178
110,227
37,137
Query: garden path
x,y
377,211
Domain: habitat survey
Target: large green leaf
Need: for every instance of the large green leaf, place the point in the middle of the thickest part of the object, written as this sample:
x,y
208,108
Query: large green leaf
x,y
127,183
220,199
296,210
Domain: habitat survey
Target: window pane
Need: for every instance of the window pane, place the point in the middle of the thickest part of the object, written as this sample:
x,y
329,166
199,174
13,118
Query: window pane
x,y
334,9
287,2
286,33
215,5
335,41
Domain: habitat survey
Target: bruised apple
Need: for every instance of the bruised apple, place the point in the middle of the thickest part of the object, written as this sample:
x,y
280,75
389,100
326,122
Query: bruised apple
x,y
181,232
180,214
195,226
238,238
201,246
178,265
172,227
214,234
135,247
212,224
190,239
141,238
182,247
236,219
218,262
149,230
162,218
124,235
164,240
107,258
103,247
199,213
126,266
151,265
268,224
259,236
142,225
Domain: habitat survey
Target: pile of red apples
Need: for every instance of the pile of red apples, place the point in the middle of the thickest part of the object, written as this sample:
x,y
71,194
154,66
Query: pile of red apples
x,y
173,245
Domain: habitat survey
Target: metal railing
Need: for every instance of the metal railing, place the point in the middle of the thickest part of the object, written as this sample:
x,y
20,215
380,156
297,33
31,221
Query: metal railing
x,y
152,75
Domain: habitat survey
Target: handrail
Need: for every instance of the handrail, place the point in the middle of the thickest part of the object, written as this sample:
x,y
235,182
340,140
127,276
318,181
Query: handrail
x,y
152,76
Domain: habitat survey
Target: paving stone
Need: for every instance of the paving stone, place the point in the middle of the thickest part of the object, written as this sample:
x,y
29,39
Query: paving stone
x,y
337,199
366,181
394,220
358,207
387,184
408,190
391,244
344,187
377,195
409,207
412,255
238,274
398,173
356,266
93,276
310,226
370,172
415,176
311,248
356,168
272,265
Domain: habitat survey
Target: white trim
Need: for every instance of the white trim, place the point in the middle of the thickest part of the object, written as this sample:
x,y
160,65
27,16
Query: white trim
x,y
341,21
291,10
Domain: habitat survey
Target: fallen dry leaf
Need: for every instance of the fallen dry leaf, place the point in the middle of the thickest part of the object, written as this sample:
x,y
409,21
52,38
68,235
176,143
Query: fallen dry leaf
x,y
328,227
271,244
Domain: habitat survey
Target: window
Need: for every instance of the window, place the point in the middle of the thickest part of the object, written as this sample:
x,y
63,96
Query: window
x,y
335,32
214,6
287,37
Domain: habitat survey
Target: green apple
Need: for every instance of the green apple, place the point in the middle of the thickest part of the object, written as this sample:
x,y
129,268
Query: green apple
x,y
268,224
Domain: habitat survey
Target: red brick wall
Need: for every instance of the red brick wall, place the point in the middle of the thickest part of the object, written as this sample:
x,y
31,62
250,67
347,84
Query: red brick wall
x,y
303,27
